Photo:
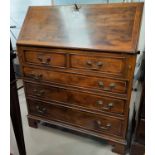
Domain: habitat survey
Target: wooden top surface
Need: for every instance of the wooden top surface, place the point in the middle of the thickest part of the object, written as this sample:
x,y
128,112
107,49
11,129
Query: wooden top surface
x,y
102,27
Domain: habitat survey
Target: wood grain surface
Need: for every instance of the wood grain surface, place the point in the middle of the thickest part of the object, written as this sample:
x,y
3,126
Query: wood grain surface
x,y
110,27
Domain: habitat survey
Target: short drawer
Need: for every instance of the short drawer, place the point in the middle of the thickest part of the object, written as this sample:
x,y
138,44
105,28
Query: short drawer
x,y
77,118
100,84
76,98
45,58
108,64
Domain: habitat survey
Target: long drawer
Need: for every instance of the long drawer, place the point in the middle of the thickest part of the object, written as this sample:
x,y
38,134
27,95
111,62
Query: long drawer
x,y
100,84
76,98
97,123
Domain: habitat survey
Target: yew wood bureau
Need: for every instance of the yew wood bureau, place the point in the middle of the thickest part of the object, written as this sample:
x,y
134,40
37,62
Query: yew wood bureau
x,y
78,63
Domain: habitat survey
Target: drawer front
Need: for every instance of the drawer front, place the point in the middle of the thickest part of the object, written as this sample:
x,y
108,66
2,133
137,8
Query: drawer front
x,y
45,58
100,84
76,118
106,64
76,98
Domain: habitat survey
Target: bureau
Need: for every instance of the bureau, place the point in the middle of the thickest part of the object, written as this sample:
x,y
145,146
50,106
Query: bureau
x,y
77,64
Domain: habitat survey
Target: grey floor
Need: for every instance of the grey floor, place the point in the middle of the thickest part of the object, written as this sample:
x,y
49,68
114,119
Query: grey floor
x,y
51,141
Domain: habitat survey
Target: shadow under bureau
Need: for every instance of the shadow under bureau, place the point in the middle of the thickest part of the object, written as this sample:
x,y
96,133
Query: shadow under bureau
x,y
78,66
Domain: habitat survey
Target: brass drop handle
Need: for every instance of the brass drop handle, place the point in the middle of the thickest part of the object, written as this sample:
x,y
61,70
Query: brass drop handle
x,y
44,61
40,110
94,66
38,92
108,107
106,127
111,86
99,64
100,102
36,76
101,84
89,63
